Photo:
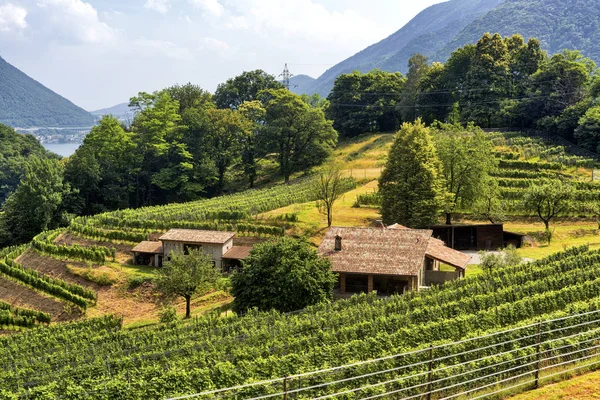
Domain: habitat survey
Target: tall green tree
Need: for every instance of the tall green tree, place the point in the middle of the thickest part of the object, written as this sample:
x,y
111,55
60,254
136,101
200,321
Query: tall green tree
x,y
467,159
328,189
411,184
103,167
487,81
34,206
298,134
227,130
435,95
190,96
285,275
186,275
418,68
253,140
244,87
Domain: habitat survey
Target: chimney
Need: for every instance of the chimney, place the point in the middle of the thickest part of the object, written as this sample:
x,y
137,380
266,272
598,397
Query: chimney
x,y
338,243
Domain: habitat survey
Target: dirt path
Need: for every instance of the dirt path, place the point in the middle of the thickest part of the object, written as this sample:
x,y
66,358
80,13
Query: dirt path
x,y
23,296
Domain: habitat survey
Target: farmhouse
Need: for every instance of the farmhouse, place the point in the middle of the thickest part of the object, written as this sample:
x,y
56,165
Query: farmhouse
x,y
217,244
389,260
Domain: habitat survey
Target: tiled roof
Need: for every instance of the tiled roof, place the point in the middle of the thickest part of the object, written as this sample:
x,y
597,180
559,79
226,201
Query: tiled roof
x,y
438,250
397,226
148,247
238,253
377,251
197,236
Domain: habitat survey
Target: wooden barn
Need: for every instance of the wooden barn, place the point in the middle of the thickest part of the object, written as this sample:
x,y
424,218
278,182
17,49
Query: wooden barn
x,y
389,260
476,237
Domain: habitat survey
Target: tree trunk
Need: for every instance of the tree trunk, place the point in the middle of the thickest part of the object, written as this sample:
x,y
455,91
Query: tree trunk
x,y
547,224
188,310
329,217
448,218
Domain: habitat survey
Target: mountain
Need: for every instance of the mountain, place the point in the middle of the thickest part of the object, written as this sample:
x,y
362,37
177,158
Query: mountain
x,y
301,83
427,33
442,28
121,111
27,103
558,24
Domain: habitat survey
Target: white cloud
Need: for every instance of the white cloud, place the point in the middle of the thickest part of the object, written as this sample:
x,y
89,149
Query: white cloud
x,y
304,19
212,7
219,47
161,6
12,18
153,48
75,20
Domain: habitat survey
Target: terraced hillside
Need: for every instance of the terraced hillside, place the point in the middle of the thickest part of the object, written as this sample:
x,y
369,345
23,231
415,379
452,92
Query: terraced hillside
x,y
97,359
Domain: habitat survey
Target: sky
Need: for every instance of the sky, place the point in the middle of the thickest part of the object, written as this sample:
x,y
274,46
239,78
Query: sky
x,y
99,53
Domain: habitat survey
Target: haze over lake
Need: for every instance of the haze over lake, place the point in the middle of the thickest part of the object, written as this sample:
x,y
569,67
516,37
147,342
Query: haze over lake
x,y
62,149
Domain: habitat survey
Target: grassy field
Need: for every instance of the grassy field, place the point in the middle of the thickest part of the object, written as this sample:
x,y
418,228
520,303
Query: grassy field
x,y
584,387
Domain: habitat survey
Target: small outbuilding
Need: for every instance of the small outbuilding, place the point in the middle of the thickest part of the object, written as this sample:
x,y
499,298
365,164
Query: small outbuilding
x,y
148,253
389,260
477,237
217,244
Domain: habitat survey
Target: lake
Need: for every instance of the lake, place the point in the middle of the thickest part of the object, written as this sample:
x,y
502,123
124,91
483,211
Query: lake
x,y
62,149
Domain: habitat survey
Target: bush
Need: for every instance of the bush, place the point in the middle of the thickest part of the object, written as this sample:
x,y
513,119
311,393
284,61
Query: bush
x,y
167,315
286,275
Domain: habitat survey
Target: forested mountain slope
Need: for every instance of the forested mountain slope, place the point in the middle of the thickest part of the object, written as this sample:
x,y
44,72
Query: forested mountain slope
x,y
558,24
442,28
426,33
26,103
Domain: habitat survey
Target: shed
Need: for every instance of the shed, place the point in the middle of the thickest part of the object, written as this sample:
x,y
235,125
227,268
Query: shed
x,y
476,237
148,253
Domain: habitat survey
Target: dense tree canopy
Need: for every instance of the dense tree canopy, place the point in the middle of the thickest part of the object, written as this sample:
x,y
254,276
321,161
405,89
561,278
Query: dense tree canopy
x,y
36,204
411,184
284,275
245,87
360,103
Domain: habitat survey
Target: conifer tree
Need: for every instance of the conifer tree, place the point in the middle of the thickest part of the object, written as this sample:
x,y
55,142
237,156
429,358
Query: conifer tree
x,y
411,184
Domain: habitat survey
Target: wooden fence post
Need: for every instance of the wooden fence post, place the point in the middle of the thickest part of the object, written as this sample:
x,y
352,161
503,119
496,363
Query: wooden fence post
x,y
285,394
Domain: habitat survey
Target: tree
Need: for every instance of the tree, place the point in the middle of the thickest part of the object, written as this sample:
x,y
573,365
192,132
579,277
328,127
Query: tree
x,y
489,203
245,87
227,129
103,167
593,208
328,188
417,70
487,80
190,96
253,146
549,199
285,275
467,160
299,135
186,275
363,103
588,131
34,206
411,184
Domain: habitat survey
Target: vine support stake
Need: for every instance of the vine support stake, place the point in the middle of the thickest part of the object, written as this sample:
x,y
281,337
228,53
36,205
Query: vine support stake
x,y
285,388
430,375
538,355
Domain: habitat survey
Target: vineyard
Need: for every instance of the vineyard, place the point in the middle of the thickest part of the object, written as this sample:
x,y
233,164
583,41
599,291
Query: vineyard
x,y
212,353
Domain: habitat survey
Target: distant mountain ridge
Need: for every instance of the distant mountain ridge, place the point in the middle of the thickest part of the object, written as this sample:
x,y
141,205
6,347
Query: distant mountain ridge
x,y
120,111
442,28
26,103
